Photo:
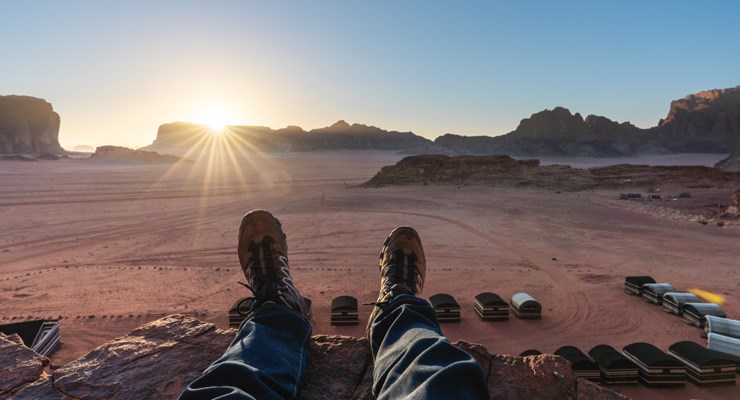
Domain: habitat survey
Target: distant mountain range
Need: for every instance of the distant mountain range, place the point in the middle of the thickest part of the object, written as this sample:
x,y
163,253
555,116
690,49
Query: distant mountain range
x,y
705,122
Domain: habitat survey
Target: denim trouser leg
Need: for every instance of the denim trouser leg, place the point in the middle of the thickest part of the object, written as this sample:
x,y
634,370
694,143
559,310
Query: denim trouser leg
x,y
414,360
267,359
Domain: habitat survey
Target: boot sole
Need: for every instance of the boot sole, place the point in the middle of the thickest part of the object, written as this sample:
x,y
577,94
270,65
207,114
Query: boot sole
x,y
395,231
255,212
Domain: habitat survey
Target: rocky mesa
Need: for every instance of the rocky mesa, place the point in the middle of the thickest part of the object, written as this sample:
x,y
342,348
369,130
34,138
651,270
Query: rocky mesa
x,y
182,137
28,125
504,171
159,359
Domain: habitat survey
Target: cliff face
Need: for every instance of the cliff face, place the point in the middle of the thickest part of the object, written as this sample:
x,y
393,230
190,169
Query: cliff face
x,y
28,125
180,137
158,360
705,121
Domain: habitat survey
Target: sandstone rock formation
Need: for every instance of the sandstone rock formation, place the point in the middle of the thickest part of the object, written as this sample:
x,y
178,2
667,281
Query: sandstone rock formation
x,y
557,132
707,121
180,137
159,359
731,163
20,365
126,155
28,125
504,171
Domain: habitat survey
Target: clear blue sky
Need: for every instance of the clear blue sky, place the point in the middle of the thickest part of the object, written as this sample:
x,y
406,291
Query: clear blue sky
x,y
116,70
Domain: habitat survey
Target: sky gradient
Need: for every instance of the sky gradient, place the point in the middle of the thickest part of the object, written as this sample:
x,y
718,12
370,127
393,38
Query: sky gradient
x,y
116,70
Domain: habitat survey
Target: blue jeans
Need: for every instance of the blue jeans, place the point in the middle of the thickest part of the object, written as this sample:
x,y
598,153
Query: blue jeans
x,y
414,361
269,356
267,359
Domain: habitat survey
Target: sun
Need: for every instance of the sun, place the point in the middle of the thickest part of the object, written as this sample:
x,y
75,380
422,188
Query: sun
x,y
216,118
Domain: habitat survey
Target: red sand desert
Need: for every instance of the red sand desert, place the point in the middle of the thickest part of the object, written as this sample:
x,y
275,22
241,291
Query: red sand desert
x,y
106,247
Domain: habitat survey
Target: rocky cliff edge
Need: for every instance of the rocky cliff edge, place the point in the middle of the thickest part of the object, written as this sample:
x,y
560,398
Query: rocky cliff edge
x,y
28,125
160,358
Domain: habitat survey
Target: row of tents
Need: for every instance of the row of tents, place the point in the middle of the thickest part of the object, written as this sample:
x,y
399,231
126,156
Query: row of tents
x,y
722,333
686,305
643,362
488,307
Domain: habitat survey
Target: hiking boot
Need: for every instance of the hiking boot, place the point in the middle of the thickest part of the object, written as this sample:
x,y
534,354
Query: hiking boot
x,y
263,256
402,267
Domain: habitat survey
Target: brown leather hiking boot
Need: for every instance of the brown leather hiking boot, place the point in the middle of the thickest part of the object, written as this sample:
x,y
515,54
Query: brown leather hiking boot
x,y
263,256
402,267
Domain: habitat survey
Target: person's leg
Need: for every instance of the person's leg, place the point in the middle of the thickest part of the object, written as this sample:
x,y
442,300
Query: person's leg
x,y
266,360
412,357
269,356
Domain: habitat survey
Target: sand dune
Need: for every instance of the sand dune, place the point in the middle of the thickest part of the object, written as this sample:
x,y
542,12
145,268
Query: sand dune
x,y
107,247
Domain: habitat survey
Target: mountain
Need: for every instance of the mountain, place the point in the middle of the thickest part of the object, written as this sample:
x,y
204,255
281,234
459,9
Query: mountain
x,y
553,132
705,122
28,125
180,137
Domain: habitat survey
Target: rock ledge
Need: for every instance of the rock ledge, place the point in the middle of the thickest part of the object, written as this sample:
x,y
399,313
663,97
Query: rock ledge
x,y
160,358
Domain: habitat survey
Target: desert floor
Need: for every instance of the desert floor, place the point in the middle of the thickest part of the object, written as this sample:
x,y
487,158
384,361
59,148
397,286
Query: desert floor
x,y
106,247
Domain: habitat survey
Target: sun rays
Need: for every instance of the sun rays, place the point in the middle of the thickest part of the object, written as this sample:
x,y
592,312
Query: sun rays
x,y
222,163
223,155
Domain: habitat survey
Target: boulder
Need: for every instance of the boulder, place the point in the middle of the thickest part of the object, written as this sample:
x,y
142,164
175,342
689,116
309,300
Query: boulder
x,y
159,359
733,210
20,365
28,125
